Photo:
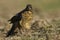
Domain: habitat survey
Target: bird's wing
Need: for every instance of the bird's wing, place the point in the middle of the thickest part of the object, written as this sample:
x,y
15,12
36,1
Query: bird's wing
x,y
15,18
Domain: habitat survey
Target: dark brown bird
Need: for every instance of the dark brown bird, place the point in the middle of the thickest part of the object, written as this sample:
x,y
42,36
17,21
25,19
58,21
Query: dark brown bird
x,y
21,19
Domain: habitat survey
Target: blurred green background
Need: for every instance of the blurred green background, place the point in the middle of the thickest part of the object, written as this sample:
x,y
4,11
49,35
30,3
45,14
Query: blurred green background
x,y
8,7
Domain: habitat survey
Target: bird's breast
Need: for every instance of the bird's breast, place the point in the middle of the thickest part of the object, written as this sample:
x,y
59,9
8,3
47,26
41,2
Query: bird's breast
x,y
26,19
27,16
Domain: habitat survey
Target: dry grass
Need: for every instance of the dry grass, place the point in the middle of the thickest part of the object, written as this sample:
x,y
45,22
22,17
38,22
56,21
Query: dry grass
x,y
46,15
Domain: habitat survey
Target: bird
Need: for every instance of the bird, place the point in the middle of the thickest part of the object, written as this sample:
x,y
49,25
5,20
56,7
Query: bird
x,y
21,20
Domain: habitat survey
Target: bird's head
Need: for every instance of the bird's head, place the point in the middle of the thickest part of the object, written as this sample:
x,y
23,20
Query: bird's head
x,y
29,7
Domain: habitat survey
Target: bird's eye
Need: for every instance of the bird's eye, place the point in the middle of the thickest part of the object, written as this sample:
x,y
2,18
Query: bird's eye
x,y
30,8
